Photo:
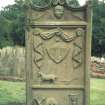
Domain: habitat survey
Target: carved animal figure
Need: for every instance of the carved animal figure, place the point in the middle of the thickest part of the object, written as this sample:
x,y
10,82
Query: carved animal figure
x,y
47,77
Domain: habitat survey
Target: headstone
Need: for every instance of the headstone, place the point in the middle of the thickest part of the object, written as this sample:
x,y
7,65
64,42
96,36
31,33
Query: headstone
x,y
58,46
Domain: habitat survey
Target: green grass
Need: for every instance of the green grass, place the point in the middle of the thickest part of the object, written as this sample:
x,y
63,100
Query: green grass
x,y
15,92
11,92
97,91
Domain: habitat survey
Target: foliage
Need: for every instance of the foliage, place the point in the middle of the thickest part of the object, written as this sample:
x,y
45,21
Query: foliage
x,y
12,25
98,42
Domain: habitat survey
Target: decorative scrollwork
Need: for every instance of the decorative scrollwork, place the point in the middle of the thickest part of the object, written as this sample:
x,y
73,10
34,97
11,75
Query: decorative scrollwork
x,y
55,32
61,52
77,57
45,101
38,56
37,102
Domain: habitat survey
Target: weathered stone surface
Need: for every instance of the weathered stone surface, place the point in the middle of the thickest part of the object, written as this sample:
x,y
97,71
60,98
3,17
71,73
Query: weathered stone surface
x,y
58,44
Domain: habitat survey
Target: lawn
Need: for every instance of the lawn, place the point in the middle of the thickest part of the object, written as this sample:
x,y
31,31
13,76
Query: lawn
x,y
97,91
15,92
11,92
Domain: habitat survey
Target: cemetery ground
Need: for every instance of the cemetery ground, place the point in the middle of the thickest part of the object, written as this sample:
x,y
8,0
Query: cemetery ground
x,y
11,92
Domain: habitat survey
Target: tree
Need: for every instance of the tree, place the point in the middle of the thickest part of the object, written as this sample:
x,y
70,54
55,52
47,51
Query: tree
x,y
12,25
98,43
13,22
5,30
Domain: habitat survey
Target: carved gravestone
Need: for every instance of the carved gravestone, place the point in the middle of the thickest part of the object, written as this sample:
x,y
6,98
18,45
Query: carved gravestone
x,y
58,43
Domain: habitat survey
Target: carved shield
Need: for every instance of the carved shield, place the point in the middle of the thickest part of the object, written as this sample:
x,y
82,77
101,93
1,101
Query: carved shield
x,y
58,53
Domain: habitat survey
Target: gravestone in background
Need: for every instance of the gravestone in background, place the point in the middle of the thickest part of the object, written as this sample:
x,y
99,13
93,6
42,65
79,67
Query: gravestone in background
x,y
58,45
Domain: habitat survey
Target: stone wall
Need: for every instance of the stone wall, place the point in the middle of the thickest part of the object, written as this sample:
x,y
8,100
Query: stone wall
x,y
12,62
98,67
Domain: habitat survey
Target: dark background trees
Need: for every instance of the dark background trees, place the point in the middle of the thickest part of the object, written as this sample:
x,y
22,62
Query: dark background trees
x,y
12,21
12,25
98,42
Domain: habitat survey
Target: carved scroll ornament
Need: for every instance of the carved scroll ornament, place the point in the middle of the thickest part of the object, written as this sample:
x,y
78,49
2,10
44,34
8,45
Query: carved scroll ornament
x,y
58,53
44,101
77,53
55,32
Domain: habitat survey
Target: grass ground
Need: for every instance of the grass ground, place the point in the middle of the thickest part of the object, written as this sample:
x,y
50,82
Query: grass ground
x,y
11,92
15,92
97,91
